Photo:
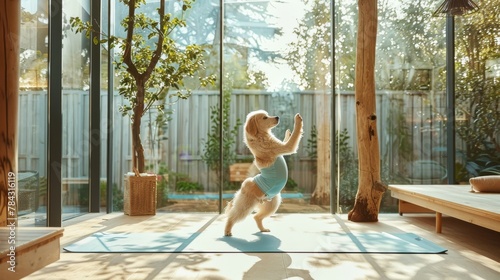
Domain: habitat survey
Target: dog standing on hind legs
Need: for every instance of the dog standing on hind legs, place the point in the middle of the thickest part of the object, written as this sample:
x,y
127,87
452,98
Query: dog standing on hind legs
x,y
262,192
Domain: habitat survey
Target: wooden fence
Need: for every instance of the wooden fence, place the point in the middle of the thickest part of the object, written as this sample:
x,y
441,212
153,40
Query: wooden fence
x,y
411,120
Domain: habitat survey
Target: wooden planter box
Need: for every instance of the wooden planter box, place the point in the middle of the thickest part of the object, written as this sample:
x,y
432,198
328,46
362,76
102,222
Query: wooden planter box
x,y
139,196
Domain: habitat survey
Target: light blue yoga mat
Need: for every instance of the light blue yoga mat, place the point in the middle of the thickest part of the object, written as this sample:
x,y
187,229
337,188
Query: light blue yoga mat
x,y
285,237
209,196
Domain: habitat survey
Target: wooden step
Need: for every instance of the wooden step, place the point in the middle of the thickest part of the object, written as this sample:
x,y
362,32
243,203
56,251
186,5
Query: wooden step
x,y
26,250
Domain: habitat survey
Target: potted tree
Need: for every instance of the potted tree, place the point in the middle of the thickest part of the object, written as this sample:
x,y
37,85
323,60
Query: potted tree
x,y
151,64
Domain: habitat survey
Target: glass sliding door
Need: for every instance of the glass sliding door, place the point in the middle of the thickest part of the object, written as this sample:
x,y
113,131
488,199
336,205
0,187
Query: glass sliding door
x,y
410,97
269,64
32,145
190,136
265,65
477,91
174,142
75,118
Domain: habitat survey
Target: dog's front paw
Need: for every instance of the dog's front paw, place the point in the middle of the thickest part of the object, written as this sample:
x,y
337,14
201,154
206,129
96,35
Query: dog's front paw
x,y
298,118
298,121
228,234
265,230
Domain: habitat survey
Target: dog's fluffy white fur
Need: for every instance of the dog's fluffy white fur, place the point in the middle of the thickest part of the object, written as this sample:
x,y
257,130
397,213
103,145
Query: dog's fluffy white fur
x,y
265,147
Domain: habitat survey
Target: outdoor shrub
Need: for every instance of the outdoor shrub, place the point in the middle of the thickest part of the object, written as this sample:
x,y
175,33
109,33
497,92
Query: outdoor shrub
x,y
117,196
211,154
186,186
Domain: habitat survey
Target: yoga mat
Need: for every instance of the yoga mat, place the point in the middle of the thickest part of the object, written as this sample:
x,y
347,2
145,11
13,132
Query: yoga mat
x,y
209,196
286,236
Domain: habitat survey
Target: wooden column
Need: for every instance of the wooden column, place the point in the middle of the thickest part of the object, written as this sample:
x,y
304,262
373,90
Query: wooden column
x,y
10,11
370,188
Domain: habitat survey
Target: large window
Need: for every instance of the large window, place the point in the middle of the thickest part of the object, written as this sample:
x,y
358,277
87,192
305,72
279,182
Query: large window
x,y
285,57
76,114
32,149
411,94
33,140
258,66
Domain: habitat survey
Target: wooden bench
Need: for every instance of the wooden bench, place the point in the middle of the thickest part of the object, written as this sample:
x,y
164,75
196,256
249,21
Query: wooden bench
x,y
34,249
457,201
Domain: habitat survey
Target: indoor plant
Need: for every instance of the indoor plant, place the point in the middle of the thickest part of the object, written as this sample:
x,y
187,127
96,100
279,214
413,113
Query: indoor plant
x,y
150,63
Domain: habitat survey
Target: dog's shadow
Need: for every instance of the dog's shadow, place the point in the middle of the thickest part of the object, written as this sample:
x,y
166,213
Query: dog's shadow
x,y
267,242
267,248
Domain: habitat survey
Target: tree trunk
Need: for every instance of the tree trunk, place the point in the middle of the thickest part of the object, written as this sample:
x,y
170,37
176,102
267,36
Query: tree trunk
x,y
321,194
370,188
137,148
9,92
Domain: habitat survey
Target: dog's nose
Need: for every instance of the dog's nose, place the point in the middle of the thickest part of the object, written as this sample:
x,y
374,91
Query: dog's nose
x,y
277,118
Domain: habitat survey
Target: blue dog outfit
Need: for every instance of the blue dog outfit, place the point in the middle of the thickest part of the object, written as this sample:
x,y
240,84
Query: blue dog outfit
x,y
272,179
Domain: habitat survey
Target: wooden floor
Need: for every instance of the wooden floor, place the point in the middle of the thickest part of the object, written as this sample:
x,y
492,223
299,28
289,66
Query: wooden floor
x,y
473,253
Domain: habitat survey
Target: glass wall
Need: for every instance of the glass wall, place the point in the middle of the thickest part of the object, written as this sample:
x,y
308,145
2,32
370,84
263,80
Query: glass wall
x,y
478,92
260,58
411,94
173,130
32,149
33,110
410,97
75,118
268,64
277,56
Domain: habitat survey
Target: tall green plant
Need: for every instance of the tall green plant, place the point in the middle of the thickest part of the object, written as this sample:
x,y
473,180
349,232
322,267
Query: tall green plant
x,y
478,126
150,64
212,149
478,92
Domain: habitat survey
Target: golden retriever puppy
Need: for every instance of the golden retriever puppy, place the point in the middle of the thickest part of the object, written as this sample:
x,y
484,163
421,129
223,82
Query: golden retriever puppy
x,y
262,192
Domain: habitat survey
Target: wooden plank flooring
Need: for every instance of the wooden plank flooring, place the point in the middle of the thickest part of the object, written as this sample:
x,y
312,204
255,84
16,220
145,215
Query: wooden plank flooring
x,y
473,253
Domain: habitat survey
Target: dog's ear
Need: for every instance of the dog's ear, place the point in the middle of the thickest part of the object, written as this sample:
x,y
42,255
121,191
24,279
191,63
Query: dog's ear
x,y
251,126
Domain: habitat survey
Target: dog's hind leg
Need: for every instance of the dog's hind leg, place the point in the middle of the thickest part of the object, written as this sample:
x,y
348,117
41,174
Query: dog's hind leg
x,y
235,214
266,209
240,207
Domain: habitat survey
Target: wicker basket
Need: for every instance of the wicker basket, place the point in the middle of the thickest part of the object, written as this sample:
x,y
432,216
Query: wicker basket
x,y
139,196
